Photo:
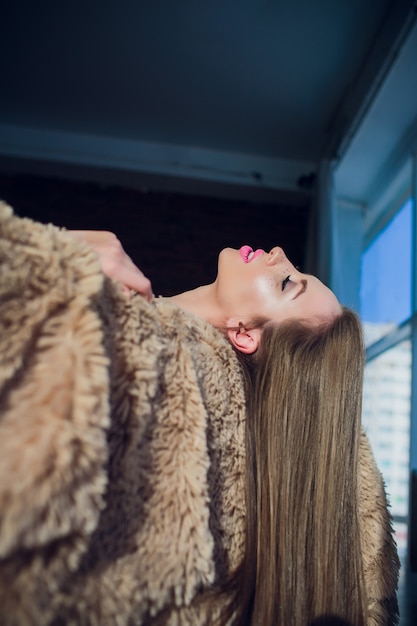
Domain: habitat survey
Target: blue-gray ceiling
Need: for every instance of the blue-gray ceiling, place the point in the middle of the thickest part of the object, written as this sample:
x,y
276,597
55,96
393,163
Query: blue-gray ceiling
x,y
192,86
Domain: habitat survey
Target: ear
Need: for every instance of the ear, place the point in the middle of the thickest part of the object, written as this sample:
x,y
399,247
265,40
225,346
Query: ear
x,y
243,339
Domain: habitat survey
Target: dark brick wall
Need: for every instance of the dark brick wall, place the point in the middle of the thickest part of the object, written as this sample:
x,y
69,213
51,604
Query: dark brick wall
x,y
174,238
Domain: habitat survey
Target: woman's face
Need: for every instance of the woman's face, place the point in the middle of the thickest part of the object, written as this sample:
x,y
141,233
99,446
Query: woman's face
x,y
259,284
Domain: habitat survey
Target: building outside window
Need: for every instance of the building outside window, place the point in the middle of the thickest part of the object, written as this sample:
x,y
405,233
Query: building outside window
x,y
386,311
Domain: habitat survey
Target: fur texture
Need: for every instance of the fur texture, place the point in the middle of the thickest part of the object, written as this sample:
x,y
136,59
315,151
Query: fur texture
x,y
122,450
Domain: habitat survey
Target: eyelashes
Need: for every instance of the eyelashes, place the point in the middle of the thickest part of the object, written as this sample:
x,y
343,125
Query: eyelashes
x,y
285,282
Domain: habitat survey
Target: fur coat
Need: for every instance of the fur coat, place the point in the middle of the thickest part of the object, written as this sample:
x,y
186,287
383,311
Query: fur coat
x,y
122,450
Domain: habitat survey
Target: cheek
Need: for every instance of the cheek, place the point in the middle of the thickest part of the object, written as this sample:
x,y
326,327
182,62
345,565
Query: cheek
x,y
265,289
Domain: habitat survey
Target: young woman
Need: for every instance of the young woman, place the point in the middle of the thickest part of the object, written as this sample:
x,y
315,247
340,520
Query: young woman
x,y
249,285
305,559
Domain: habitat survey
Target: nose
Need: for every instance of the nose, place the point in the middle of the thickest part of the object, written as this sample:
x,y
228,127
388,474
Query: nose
x,y
275,256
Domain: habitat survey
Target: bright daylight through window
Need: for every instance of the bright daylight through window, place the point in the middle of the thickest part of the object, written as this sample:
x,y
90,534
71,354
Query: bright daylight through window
x,y
385,300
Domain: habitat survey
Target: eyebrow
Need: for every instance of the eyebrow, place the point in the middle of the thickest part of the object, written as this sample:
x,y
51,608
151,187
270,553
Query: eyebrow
x,y
302,289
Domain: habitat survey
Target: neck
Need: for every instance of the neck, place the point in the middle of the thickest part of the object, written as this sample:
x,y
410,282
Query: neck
x,y
201,302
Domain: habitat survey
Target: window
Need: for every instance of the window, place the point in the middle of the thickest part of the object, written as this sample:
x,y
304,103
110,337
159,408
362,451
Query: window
x,y
385,291
386,310
386,418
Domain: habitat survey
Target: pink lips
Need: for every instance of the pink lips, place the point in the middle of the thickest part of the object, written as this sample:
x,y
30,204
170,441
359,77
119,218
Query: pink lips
x,y
248,255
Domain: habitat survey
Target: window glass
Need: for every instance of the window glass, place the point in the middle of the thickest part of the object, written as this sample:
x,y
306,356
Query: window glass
x,y
385,291
386,418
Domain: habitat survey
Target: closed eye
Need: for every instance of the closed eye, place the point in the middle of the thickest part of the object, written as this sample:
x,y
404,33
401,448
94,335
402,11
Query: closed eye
x,y
285,283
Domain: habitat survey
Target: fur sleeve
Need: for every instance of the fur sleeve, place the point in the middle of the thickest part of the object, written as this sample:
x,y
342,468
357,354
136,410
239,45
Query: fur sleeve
x,y
105,510
381,564
54,412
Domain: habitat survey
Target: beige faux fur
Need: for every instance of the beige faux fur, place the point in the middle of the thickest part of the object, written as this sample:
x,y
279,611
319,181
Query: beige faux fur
x,y
122,450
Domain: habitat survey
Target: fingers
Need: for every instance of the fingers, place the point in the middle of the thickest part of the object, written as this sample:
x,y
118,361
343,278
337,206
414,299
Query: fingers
x,y
133,279
114,261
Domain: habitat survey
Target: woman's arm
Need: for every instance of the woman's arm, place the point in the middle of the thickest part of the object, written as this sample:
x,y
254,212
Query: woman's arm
x,y
114,261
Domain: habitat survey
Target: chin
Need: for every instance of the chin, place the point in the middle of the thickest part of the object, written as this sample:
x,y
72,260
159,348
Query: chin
x,y
230,251
227,255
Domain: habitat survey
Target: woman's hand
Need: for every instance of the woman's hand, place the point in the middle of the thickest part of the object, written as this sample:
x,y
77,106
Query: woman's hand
x,y
114,261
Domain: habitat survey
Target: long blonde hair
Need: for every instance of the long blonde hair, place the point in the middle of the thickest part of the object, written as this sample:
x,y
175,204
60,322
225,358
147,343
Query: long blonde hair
x,y
303,562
